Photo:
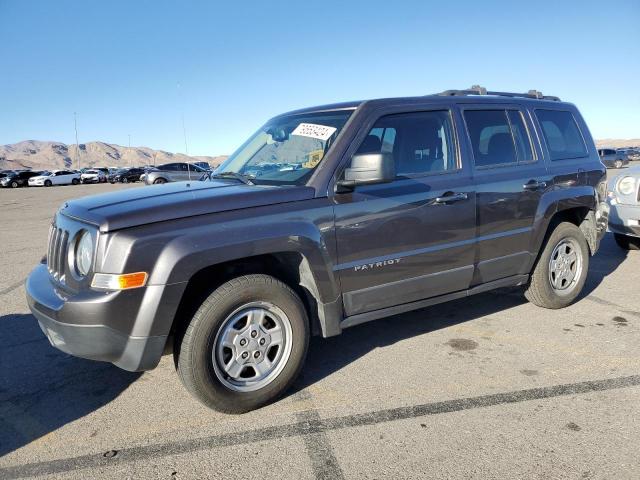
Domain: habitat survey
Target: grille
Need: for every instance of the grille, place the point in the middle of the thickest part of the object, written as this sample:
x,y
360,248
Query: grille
x,y
57,252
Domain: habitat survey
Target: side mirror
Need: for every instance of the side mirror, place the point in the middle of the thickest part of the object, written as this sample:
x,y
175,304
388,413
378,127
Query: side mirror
x,y
367,169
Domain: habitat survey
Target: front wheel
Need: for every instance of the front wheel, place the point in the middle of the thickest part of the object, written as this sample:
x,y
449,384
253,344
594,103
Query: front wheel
x,y
159,181
14,184
47,183
125,180
75,181
618,164
561,269
627,242
245,345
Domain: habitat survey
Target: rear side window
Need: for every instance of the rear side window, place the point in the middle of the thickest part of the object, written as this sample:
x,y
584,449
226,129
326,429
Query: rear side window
x,y
498,137
490,137
561,134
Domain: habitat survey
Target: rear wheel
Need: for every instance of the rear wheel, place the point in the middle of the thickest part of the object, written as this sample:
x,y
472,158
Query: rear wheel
x,y
47,183
245,345
561,269
125,180
14,184
75,181
627,242
618,164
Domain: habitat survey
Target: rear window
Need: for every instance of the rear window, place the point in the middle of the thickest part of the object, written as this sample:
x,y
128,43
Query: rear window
x,y
561,134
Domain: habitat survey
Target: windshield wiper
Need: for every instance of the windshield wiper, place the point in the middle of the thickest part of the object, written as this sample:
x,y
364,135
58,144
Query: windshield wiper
x,y
236,176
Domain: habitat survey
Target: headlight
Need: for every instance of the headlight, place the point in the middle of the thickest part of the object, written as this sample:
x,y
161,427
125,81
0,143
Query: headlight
x,y
83,254
626,185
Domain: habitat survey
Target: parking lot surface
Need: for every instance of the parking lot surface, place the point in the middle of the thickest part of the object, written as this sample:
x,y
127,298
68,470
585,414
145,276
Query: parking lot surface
x,y
486,387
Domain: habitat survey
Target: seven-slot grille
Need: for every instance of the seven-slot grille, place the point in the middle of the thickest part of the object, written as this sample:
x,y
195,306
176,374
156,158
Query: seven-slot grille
x,y
57,252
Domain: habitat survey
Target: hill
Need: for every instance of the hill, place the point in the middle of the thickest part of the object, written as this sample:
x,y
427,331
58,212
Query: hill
x,y
41,155
618,143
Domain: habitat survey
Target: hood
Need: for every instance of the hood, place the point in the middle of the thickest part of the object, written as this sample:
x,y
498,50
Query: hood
x,y
39,177
170,201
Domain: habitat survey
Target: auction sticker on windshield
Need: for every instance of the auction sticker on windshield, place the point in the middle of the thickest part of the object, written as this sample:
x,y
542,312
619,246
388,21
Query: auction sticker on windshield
x,y
313,130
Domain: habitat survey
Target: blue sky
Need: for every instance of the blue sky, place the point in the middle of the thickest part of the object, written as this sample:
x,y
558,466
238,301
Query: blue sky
x,y
135,67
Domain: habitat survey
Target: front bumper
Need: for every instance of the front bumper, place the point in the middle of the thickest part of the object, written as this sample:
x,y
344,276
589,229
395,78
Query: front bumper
x,y
127,328
625,219
90,180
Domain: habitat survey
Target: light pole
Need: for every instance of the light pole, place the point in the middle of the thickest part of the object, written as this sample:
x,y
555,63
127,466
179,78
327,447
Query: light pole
x,y
75,124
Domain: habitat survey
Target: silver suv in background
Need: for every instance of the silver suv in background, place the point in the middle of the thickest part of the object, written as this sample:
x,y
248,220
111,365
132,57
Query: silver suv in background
x,y
173,172
624,201
613,158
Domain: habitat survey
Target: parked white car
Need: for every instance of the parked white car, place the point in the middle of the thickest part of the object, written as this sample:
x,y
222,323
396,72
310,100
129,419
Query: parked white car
x,y
93,176
55,177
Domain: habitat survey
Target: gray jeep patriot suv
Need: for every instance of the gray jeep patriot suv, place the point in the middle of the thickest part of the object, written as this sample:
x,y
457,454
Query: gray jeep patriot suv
x,y
327,217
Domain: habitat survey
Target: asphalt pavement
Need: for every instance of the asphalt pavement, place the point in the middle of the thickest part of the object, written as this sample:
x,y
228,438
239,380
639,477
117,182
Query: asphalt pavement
x,y
486,387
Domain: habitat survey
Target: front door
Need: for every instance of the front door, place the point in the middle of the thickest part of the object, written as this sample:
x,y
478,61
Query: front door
x,y
412,238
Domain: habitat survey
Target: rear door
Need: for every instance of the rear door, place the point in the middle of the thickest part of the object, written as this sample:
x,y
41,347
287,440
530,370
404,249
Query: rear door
x,y
412,238
510,177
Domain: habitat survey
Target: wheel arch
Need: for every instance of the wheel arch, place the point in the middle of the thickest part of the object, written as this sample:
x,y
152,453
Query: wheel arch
x,y
291,267
576,205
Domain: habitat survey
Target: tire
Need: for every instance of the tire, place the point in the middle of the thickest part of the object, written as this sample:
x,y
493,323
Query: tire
x,y
125,180
47,183
14,184
75,181
159,181
627,242
541,290
201,346
618,164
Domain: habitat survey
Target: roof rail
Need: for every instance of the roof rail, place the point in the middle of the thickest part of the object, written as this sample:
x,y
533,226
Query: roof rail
x,y
478,90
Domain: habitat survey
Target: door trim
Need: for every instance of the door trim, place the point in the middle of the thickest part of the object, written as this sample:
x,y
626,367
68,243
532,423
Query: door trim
x,y
354,320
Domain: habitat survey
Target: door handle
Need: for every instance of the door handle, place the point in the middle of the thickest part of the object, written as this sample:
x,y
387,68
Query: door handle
x,y
534,185
445,199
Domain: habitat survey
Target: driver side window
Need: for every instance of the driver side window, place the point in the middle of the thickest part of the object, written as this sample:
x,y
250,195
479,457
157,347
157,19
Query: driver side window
x,y
421,142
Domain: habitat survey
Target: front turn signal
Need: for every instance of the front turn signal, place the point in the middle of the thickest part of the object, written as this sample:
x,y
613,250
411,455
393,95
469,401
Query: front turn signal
x,y
111,281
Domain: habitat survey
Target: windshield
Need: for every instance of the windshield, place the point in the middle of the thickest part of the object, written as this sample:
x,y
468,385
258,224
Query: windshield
x,y
287,149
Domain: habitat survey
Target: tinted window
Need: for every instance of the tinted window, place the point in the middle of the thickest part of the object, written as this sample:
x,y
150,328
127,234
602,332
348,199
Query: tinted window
x,y
562,135
171,167
420,142
520,136
490,137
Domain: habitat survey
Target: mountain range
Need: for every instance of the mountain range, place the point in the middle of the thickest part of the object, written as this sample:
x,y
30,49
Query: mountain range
x,y
41,155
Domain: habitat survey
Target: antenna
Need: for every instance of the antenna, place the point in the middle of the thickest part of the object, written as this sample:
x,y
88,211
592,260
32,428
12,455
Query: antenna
x,y
184,131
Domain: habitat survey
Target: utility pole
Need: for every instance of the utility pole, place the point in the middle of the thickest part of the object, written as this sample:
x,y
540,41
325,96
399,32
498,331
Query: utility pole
x,y
75,124
184,132
130,150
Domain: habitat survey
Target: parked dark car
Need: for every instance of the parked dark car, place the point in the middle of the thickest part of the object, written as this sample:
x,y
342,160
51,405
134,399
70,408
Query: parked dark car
x,y
613,158
18,179
394,205
126,175
203,165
